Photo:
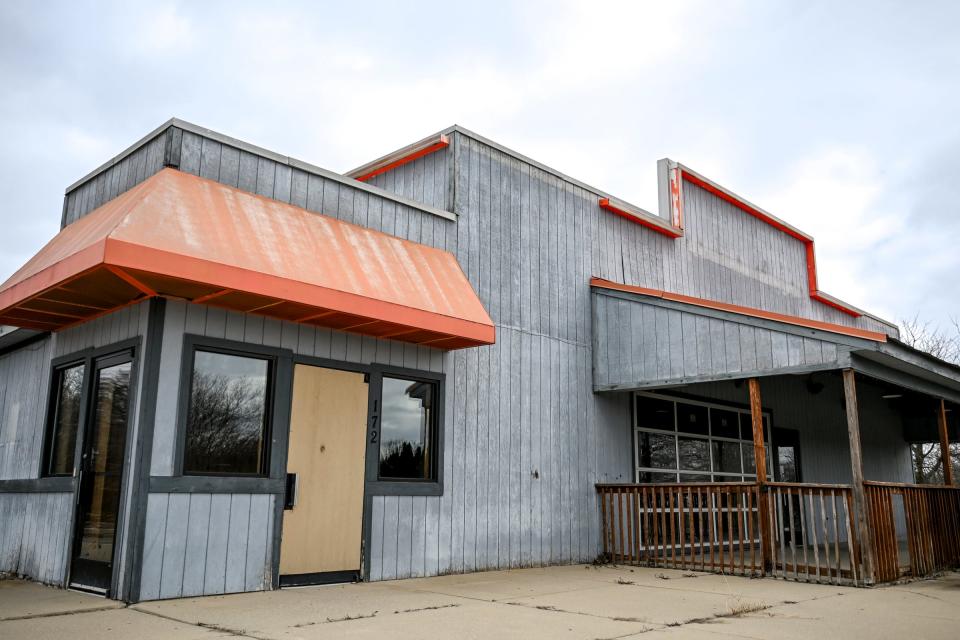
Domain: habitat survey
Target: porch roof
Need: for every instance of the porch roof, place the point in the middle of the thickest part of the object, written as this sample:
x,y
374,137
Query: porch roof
x,y
182,236
645,339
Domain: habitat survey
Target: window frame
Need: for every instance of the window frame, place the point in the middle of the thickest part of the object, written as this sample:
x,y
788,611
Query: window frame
x,y
57,366
708,476
396,486
194,343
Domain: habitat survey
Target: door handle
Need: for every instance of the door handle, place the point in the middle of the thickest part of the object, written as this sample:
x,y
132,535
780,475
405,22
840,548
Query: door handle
x,y
290,491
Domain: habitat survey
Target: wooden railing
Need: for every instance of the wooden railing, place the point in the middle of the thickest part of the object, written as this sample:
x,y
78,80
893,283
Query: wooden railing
x,y
706,527
812,533
915,529
796,531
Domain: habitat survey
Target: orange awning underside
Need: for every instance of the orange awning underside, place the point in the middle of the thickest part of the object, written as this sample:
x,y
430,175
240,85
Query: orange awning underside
x,y
181,236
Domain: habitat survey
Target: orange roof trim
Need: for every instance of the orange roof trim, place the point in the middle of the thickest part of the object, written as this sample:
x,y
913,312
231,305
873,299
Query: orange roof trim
x,y
400,158
625,211
674,229
601,283
776,223
181,236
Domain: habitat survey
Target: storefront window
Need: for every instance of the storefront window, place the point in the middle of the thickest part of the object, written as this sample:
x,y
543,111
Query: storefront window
x,y
408,430
62,433
691,441
227,419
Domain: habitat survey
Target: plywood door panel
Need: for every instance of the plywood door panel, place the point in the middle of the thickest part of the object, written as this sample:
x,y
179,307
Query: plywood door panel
x,y
327,441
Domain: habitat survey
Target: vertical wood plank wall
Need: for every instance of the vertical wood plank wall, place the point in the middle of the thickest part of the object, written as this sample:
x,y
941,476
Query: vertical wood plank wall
x,y
121,177
637,342
23,385
493,506
35,528
35,534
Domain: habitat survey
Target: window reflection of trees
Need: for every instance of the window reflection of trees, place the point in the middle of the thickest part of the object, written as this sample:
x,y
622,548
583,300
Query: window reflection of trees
x,y
66,421
677,441
406,429
225,425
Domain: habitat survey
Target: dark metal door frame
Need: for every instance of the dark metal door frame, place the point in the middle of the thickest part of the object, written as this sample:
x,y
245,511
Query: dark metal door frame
x,y
111,358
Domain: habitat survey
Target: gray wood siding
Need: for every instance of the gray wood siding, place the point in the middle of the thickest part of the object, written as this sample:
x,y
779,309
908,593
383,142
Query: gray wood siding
x,y
294,185
204,544
525,441
426,179
725,254
35,527
23,399
642,343
110,183
35,535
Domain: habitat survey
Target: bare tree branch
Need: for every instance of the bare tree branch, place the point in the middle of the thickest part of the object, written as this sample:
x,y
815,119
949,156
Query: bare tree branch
x,y
940,343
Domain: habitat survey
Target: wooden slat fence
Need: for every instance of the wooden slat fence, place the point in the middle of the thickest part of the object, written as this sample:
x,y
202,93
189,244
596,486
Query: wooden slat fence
x,y
812,533
703,527
720,527
915,528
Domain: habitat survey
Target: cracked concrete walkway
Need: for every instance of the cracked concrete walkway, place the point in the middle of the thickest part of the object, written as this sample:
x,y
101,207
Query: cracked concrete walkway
x,y
557,602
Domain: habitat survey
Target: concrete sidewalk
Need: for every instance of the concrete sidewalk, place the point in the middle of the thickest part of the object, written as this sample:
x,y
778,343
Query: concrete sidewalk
x,y
558,602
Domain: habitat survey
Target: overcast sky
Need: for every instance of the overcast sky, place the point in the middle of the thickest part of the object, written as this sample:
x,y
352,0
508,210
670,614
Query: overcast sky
x,y
840,117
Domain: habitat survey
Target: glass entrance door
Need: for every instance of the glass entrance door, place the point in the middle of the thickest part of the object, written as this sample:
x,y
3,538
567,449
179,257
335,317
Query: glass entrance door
x,y
786,453
101,474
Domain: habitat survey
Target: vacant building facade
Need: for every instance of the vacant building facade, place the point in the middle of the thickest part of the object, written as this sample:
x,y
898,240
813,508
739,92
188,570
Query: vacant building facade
x,y
234,371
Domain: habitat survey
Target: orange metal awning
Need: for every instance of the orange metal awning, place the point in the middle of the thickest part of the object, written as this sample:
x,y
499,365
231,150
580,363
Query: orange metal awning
x,y
181,236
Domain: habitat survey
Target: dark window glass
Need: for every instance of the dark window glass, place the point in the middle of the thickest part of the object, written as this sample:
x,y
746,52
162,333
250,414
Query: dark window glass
x,y
407,430
719,478
654,413
659,478
66,421
657,450
692,418
725,424
695,477
749,464
726,456
227,416
694,454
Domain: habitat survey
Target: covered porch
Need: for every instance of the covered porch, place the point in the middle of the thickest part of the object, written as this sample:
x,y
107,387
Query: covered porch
x,y
766,447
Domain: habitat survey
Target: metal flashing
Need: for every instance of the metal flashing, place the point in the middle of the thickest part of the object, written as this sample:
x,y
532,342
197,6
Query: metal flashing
x,y
399,157
639,216
747,311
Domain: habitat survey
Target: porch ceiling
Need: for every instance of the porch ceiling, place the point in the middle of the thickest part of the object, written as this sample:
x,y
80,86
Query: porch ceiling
x,y
182,236
645,339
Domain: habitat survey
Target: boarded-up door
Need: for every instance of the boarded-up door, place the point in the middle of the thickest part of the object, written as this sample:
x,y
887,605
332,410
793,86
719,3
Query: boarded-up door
x,y
322,532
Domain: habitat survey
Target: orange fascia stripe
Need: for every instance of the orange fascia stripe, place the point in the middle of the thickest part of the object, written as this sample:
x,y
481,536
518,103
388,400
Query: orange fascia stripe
x,y
125,255
442,143
60,273
665,229
602,283
815,293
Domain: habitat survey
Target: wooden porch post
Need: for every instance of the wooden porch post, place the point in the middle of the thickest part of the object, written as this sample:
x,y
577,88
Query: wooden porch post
x,y
856,463
945,444
760,462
